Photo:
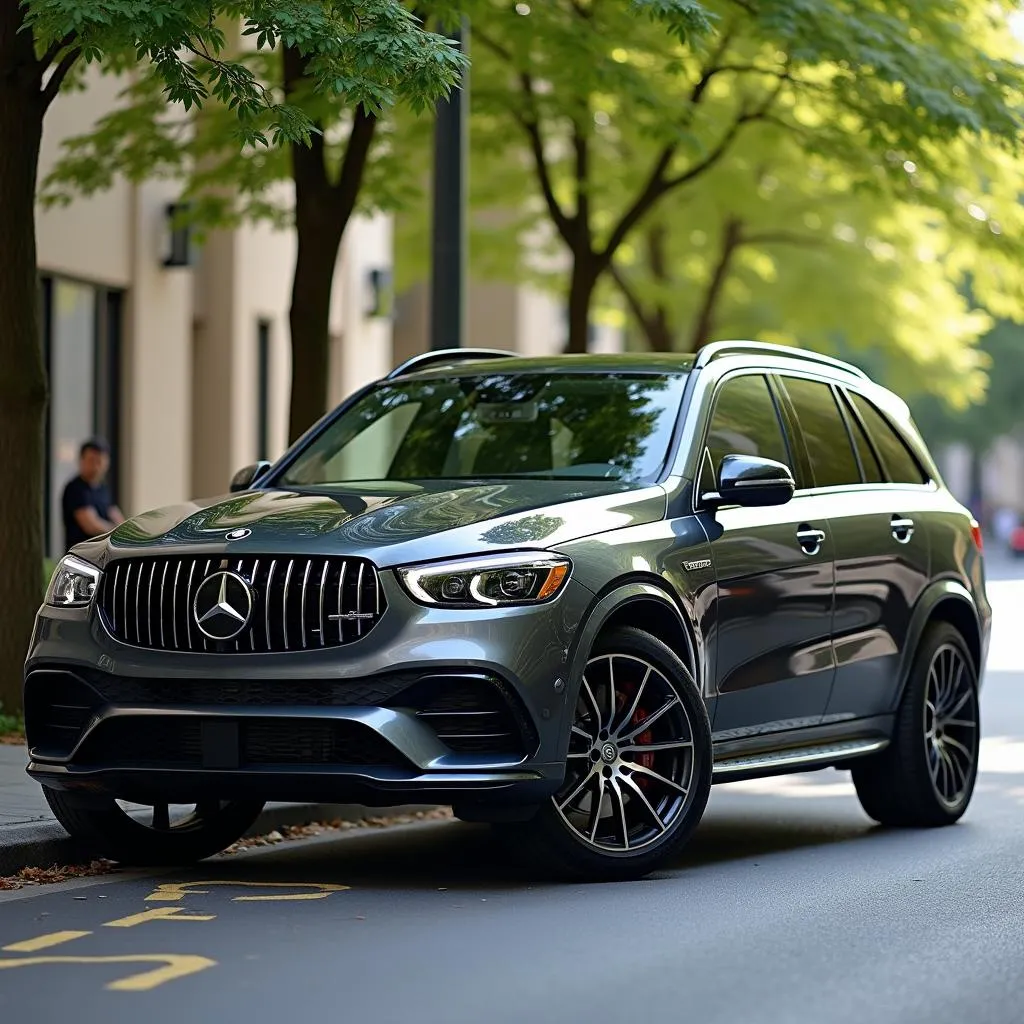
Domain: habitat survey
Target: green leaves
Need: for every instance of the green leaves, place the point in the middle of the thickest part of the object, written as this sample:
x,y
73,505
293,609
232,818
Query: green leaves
x,y
370,52
685,19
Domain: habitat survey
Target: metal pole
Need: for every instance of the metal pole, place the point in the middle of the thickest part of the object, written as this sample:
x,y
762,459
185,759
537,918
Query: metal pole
x,y
449,229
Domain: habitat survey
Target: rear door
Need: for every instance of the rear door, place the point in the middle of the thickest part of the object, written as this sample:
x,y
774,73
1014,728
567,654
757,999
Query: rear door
x,y
773,565
882,563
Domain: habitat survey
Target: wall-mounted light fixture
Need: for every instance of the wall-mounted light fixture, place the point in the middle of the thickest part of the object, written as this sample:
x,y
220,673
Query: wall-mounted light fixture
x,y
177,247
379,293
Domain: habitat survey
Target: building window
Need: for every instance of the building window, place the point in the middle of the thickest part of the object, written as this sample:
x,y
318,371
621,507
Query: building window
x,y
263,389
82,345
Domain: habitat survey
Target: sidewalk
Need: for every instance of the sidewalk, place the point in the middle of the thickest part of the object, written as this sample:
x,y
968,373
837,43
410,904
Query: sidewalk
x,y
30,837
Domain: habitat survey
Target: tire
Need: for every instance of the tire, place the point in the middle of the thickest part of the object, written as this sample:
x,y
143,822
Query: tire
x,y
102,825
621,811
925,777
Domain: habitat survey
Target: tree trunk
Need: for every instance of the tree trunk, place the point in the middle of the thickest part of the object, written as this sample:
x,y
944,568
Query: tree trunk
x,y
322,211
732,238
581,293
309,319
659,332
22,371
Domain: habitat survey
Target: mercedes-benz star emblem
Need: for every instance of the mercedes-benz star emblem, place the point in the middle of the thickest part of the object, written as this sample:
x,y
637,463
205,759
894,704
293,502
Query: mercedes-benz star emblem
x,y
239,534
222,606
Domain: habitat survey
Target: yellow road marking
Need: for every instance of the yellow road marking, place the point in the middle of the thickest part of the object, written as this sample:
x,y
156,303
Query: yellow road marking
x,y
44,942
158,914
175,966
171,891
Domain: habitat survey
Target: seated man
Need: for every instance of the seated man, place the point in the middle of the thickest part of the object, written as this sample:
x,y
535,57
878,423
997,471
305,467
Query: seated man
x,y
88,509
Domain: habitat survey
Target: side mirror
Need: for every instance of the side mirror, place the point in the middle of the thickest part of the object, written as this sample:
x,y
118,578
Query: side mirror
x,y
245,478
751,481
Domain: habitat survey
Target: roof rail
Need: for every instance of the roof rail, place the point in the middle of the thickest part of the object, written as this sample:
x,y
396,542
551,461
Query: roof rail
x,y
447,355
727,348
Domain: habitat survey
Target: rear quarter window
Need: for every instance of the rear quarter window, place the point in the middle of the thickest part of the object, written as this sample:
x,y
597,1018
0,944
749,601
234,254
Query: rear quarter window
x,y
900,464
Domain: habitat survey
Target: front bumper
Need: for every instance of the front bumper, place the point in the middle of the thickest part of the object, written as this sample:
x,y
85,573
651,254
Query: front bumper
x,y
345,724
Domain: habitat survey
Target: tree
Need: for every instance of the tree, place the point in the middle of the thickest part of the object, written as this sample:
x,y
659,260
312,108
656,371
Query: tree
x,y
366,52
327,175
619,106
995,414
790,246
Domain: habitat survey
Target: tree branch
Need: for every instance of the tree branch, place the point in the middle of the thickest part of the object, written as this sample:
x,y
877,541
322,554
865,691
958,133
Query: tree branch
x,y
732,239
309,167
531,125
649,195
56,48
581,151
759,113
709,72
705,79
629,293
493,45
781,238
657,184
60,72
353,164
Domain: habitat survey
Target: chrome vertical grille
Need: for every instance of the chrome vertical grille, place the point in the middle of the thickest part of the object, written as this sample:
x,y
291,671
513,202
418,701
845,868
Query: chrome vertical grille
x,y
298,603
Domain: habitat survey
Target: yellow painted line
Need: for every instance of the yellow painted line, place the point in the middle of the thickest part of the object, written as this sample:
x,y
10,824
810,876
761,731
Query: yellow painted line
x,y
44,942
158,914
175,966
171,891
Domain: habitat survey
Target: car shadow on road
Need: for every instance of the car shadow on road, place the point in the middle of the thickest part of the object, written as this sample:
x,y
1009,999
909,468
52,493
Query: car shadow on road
x,y
457,856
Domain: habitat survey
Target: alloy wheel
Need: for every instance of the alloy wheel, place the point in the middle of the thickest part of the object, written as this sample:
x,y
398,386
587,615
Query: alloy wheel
x,y
630,769
950,724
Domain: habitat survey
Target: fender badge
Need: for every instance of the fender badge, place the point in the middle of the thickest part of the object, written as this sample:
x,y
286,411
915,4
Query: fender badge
x,y
701,563
237,534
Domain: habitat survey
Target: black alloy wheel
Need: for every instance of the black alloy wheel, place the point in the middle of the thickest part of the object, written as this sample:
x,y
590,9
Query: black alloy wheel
x,y
926,776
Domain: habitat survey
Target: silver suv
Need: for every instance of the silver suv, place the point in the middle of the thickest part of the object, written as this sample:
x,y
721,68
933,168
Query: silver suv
x,y
562,594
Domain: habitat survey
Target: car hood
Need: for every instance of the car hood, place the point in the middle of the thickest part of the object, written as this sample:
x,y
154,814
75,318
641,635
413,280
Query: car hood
x,y
389,523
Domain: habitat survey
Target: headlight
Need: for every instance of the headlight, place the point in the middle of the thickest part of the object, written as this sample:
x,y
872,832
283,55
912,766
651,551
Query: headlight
x,y
73,583
488,581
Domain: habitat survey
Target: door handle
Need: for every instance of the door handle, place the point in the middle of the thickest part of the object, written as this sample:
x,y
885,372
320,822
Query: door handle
x,y
810,539
902,528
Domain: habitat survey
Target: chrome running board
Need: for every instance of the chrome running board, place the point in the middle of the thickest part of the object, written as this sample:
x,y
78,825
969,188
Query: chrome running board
x,y
797,759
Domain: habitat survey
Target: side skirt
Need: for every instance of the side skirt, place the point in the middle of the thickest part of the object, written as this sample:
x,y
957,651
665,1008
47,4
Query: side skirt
x,y
801,750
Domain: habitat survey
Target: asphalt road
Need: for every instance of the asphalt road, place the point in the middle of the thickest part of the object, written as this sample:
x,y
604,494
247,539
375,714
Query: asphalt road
x,y
789,906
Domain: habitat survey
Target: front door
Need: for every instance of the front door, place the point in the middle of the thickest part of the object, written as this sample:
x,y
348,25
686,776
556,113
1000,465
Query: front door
x,y
774,566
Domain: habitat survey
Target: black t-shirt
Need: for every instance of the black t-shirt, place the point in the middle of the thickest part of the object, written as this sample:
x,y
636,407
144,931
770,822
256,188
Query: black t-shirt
x,y
80,494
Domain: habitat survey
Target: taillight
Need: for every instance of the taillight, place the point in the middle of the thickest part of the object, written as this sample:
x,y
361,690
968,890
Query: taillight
x,y
976,534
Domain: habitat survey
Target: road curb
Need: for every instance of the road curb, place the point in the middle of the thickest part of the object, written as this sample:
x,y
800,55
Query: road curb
x,y
42,844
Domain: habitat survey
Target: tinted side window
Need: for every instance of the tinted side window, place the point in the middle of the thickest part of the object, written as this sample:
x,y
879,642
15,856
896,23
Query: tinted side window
x,y
868,460
900,465
746,422
821,424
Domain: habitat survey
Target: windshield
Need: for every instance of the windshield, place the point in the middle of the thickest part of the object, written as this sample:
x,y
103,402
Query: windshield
x,y
609,426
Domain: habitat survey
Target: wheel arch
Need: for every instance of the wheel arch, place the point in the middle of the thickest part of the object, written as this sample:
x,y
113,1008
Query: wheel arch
x,y
643,603
944,601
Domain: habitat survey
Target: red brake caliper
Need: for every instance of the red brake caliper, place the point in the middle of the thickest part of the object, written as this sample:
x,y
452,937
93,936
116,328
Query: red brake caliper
x,y
647,760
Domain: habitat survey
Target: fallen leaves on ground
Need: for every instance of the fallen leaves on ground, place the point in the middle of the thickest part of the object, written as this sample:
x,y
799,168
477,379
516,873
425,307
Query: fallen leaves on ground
x,y
47,876
14,739
288,833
